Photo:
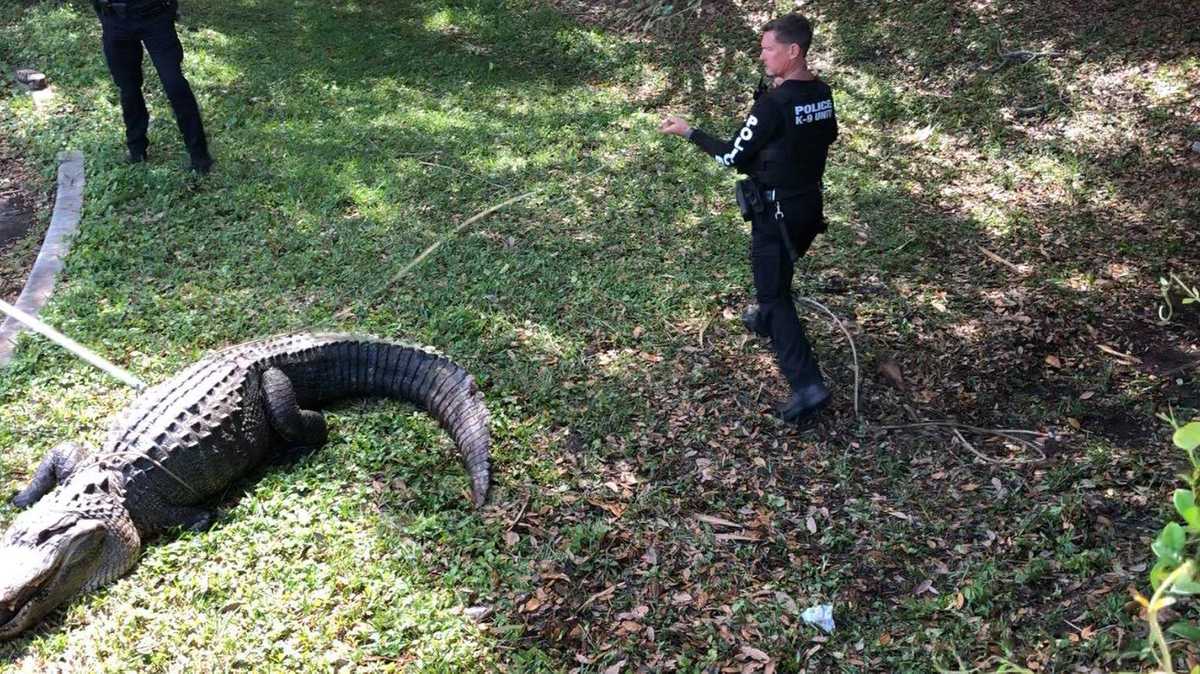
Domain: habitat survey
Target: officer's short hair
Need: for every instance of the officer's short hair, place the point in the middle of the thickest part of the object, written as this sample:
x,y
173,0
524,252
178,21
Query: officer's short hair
x,y
791,29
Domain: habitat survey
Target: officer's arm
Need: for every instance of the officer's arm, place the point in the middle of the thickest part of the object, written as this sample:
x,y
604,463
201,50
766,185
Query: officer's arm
x,y
759,127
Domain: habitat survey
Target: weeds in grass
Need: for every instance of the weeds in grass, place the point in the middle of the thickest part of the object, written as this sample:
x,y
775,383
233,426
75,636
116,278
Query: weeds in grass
x,y
1176,550
1167,310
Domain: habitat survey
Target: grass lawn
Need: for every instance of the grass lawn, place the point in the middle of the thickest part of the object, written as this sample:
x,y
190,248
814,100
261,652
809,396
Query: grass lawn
x,y
1010,183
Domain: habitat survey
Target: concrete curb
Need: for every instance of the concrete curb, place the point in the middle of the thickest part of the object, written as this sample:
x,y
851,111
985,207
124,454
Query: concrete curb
x,y
64,222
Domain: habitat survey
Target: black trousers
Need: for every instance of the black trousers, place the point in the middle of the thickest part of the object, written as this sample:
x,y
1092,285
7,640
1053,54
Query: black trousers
x,y
773,269
123,38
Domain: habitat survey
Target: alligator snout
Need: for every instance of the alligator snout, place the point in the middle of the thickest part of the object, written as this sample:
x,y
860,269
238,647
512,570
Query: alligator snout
x,y
15,595
11,605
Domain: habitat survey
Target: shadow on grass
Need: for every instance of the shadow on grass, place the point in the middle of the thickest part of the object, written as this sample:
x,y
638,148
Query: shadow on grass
x,y
427,44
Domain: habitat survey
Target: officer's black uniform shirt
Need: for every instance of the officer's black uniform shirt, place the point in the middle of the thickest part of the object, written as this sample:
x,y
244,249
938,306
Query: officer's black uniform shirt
x,y
785,138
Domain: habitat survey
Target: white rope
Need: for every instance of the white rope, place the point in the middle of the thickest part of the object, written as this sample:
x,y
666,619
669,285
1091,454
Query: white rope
x,y
853,349
71,345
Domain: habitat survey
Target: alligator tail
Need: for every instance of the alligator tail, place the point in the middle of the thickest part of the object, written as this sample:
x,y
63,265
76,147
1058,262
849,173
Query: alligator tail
x,y
449,394
354,366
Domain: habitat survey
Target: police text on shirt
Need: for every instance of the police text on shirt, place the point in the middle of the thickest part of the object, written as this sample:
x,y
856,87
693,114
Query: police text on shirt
x,y
814,112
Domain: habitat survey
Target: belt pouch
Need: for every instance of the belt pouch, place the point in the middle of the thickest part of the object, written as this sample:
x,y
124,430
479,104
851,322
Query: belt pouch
x,y
749,198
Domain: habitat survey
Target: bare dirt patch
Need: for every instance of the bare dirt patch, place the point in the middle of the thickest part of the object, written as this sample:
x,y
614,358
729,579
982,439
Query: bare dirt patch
x,y
24,210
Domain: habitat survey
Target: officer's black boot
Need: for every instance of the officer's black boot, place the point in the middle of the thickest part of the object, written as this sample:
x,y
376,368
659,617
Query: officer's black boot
x,y
201,166
753,320
136,156
805,402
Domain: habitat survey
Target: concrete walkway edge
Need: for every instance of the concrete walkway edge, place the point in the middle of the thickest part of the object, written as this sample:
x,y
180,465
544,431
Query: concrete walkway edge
x,y
64,222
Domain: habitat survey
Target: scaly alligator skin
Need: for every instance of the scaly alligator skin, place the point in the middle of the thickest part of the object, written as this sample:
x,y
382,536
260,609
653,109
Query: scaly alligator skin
x,y
184,441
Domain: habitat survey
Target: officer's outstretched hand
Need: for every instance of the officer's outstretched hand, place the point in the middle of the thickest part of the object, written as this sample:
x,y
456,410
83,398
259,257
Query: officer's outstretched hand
x,y
674,125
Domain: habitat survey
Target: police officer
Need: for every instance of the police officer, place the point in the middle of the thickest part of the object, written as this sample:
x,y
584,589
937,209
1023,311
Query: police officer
x,y
782,147
127,26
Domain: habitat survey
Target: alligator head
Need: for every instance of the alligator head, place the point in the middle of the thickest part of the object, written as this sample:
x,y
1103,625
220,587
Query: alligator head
x,y
60,547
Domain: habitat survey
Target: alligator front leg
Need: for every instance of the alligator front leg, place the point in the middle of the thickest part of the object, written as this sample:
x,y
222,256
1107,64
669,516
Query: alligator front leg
x,y
157,514
299,428
191,519
54,469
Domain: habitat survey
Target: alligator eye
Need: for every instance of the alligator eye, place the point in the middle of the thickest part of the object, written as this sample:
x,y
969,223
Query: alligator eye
x,y
45,534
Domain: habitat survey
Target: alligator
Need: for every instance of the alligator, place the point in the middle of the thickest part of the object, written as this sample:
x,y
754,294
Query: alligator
x,y
183,442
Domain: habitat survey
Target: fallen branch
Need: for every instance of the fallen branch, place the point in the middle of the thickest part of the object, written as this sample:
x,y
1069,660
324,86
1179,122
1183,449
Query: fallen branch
x,y
1017,57
1023,56
602,594
716,521
462,172
1033,108
520,513
1113,352
470,221
996,258
1008,433
987,459
966,427
749,538
704,327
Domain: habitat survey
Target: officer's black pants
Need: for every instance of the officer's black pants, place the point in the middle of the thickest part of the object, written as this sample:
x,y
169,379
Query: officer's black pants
x,y
123,38
773,269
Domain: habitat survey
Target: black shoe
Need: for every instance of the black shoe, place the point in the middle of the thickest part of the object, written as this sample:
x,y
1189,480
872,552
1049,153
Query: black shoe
x,y
753,322
201,166
31,79
804,403
136,157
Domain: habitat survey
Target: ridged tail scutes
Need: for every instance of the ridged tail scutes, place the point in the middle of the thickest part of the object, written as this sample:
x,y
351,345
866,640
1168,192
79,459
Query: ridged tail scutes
x,y
446,391
328,367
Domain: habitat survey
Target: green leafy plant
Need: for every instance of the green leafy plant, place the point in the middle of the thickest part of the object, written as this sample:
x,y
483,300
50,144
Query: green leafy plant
x,y
1191,294
1175,549
1174,574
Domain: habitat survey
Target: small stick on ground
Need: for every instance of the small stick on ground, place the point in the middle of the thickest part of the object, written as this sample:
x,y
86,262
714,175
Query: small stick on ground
x,y
1113,352
996,258
462,172
1025,56
987,459
467,223
520,513
966,427
703,327
1008,433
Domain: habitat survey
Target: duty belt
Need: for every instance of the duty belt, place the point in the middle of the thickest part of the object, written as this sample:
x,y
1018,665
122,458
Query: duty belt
x,y
135,10
778,193
774,195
